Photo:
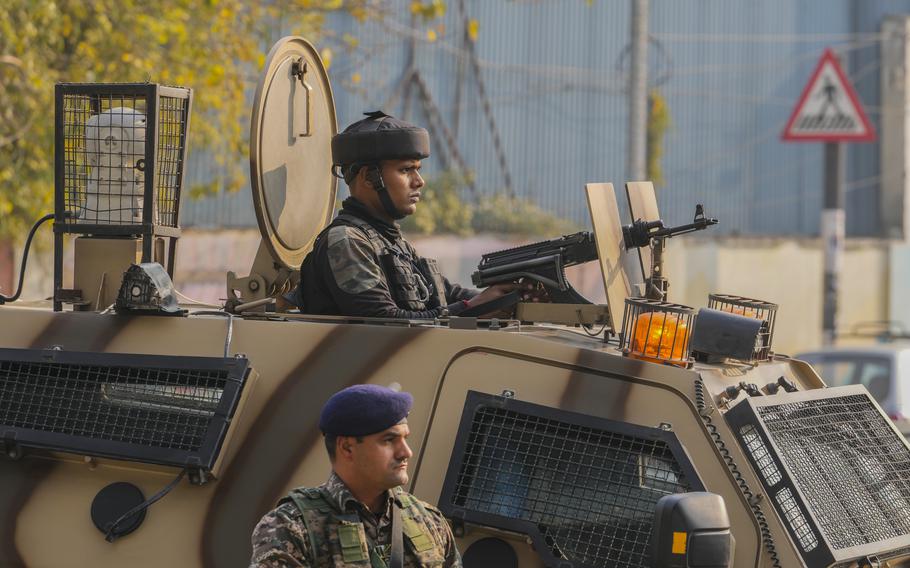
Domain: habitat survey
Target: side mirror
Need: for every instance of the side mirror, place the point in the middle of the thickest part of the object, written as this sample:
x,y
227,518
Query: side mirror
x,y
691,530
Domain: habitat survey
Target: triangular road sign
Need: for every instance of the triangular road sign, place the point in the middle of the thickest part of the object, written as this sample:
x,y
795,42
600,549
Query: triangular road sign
x,y
829,110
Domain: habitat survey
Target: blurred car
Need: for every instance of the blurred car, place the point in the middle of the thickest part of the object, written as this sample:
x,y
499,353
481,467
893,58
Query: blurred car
x,y
883,369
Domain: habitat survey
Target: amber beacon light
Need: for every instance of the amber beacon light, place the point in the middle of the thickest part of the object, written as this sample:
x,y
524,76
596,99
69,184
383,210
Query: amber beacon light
x,y
657,331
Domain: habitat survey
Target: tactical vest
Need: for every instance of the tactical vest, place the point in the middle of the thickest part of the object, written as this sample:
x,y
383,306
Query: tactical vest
x,y
339,539
415,283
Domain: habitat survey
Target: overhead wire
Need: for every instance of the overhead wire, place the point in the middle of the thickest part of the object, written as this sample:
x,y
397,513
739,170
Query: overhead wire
x,y
767,38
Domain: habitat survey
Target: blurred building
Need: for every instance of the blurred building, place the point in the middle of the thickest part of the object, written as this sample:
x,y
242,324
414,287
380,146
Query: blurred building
x,y
536,103
530,96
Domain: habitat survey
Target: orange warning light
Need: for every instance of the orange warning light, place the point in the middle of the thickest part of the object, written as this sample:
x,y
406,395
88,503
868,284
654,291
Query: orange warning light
x,y
744,311
660,337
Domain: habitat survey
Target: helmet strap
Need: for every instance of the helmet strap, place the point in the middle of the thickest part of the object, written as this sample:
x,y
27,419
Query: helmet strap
x,y
374,176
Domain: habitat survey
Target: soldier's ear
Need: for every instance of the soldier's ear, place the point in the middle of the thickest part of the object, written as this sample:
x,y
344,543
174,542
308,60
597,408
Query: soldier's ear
x,y
362,176
344,446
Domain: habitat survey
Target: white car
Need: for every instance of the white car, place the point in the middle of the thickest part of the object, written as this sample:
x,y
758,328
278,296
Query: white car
x,y
883,369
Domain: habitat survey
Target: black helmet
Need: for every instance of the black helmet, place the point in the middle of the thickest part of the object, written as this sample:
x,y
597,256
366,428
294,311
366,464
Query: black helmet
x,y
379,137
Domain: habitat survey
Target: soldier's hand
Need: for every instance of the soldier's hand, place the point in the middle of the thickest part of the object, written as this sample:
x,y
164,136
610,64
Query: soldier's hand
x,y
492,293
533,291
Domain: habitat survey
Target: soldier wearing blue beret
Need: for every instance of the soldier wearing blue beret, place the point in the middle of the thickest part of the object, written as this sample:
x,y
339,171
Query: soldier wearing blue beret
x,y
360,515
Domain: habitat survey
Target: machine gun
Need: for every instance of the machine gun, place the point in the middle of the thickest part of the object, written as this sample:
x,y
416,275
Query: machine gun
x,y
653,233
543,262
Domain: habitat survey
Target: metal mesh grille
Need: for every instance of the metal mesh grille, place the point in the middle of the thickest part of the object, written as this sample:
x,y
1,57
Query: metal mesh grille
x,y
760,455
749,307
159,408
790,510
590,492
105,137
104,151
172,115
851,467
656,331
900,553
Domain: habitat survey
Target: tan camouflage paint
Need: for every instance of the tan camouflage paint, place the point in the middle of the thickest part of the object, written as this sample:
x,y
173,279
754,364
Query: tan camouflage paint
x,y
274,445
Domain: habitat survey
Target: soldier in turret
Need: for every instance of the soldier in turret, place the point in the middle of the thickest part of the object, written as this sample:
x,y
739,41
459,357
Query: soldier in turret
x,y
360,515
361,265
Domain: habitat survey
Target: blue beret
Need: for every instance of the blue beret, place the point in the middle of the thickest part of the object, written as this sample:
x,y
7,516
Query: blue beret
x,y
361,410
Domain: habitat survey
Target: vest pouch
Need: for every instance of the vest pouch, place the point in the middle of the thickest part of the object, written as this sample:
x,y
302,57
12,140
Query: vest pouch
x,y
418,538
353,543
422,544
406,285
421,541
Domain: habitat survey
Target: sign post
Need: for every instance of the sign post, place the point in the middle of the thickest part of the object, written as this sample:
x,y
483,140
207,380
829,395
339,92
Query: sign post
x,y
829,111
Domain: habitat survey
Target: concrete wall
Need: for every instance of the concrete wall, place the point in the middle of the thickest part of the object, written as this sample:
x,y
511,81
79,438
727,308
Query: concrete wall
x,y
784,271
788,273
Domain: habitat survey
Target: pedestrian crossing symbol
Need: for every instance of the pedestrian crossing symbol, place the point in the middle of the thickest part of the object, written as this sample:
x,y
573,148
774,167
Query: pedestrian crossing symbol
x,y
828,109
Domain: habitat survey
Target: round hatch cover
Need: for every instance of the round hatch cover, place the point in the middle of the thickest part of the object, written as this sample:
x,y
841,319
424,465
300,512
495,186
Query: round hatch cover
x,y
291,133
112,502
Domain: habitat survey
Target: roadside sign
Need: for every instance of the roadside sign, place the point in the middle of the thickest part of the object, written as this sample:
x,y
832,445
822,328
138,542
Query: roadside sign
x,y
829,110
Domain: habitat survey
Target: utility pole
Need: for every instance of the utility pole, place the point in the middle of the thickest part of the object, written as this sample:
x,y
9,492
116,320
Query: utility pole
x,y
636,169
832,232
829,111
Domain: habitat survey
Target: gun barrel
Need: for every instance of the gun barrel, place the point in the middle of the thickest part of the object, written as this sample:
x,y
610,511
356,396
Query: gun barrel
x,y
698,225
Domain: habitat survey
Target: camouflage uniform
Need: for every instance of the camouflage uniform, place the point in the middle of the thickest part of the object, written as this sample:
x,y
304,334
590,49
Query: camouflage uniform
x,y
362,266
346,533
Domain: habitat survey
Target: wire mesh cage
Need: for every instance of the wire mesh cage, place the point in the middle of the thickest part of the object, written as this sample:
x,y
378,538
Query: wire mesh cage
x,y
582,488
657,331
749,307
120,154
170,410
835,468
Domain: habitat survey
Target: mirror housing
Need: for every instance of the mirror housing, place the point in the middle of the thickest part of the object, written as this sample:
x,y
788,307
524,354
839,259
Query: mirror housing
x,y
691,530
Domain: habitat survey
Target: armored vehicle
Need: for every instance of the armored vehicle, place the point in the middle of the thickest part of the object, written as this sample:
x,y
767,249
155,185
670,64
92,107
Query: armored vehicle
x,y
138,431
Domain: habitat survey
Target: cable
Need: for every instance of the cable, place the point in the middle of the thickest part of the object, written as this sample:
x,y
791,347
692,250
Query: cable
x,y
764,527
589,330
28,244
111,534
230,328
195,302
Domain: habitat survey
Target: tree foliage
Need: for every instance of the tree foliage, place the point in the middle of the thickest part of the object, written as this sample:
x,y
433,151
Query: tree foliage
x,y
658,123
443,210
215,47
501,213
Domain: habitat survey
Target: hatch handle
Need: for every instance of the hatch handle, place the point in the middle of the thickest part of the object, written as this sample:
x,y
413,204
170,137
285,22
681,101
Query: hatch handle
x,y
303,99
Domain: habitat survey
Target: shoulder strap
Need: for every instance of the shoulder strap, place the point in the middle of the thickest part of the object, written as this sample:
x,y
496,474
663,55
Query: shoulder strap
x,y
311,502
380,243
307,499
396,556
